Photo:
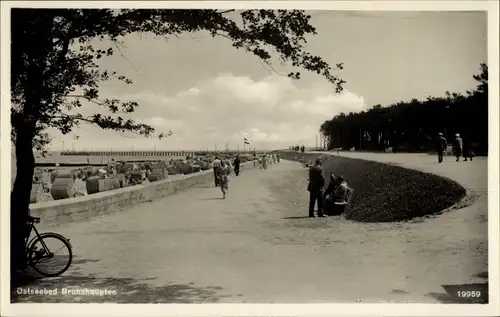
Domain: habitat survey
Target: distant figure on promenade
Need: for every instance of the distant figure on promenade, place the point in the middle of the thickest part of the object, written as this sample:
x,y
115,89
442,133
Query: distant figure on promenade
x,y
255,159
229,165
468,153
237,165
278,158
458,146
224,171
216,164
264,162
315,188
441,146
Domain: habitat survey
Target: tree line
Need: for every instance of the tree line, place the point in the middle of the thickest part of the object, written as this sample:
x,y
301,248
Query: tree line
x,y
412,126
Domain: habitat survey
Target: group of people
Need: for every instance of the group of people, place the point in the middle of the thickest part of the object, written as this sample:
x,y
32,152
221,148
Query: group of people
x,y
335,195
266,160
297,148
224,167
460,147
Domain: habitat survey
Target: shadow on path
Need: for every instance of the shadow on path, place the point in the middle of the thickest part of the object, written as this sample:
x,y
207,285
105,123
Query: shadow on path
x,y
206,186
120,290
482,275
83,261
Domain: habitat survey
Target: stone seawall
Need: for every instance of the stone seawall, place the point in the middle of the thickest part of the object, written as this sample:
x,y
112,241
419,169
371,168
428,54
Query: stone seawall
x,y
78,208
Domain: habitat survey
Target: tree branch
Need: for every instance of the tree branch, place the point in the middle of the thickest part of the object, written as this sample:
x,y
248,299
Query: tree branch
x,y
227,11
121,54
246,46
112,124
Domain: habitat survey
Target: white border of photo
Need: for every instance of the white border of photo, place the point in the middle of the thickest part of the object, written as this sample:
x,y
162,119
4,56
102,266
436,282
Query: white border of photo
x,y
295,309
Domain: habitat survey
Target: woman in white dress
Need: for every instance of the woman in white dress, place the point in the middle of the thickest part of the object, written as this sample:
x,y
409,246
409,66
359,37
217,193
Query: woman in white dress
x,y
224,172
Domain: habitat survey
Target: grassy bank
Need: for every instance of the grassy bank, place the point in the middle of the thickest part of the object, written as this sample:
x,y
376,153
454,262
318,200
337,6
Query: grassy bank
x,y
386,193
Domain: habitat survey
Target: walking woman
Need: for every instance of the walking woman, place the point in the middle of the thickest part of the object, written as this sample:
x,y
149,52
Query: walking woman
x,y
458,146
224,171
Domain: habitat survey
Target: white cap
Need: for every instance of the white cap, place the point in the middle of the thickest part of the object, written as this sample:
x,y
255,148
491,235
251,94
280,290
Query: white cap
x,y
457,135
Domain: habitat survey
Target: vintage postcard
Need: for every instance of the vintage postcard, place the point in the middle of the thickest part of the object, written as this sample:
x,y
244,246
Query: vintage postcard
x,y
273,158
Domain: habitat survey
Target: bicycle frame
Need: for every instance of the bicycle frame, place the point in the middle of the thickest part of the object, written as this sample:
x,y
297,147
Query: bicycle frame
x,y
37,235
35,253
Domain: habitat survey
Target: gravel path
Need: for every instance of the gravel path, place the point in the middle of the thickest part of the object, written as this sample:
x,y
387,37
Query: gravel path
x,y
256,247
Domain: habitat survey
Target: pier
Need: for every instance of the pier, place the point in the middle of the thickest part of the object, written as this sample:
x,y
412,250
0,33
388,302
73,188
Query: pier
x,y
152,153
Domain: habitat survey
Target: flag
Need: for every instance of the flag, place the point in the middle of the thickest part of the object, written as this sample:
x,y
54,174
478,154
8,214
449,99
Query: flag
x,y
246,141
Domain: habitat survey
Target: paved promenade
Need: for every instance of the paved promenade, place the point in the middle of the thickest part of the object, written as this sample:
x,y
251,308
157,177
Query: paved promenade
x,y
256,247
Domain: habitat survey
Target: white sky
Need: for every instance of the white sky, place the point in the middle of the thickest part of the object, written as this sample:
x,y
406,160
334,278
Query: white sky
x,y
208,93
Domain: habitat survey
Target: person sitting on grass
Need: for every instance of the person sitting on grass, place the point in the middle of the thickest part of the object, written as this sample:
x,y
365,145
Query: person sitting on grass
x,y
335,193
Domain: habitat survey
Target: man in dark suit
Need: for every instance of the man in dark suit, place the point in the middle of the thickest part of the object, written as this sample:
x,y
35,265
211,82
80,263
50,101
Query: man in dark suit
x,y
441,146
237,165
315,188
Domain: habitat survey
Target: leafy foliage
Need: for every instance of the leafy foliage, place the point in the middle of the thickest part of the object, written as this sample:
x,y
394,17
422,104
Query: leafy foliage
x,y
412,125
54,64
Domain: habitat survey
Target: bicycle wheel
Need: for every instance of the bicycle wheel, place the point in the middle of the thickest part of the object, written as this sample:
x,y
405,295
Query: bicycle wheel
x,y
45,254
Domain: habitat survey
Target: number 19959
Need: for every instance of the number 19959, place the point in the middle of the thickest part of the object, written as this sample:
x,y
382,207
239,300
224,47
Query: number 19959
x,y
469,294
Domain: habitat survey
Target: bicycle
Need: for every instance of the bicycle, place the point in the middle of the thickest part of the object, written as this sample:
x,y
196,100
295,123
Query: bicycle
x,y
37,254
